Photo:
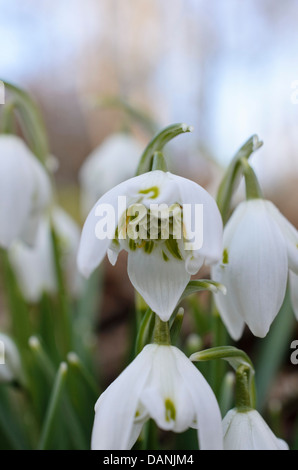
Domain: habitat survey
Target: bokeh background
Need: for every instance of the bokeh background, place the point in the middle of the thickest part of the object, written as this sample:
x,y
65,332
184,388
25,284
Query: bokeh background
x,y
228,68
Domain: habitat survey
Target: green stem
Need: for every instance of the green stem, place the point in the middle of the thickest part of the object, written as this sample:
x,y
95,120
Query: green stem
x,y
253,190
75,362
64,314
161,333
53,407
243,389
157,144
159,162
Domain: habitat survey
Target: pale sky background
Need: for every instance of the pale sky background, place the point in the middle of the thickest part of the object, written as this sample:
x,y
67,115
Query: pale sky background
x,y
226,67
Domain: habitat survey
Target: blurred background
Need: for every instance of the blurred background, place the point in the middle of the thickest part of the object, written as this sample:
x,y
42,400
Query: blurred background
x,y
228,68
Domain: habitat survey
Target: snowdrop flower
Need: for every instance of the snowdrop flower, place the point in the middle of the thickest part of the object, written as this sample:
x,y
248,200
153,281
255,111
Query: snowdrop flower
x,y
24,191
10,362
161,259
260,246
163,384
293,278
112,162
34,266
246,430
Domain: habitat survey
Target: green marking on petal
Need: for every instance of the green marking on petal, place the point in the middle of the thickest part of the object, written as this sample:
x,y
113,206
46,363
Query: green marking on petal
x,y
225,256
165,257
154,190
148,247
170,410
172,246
132,245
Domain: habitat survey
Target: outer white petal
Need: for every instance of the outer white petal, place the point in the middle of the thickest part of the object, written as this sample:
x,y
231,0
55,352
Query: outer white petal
x,y
16,188
293,278
116,408
226,304
248,431
289,232
159,282
33,266
112,162
41,198
256,272
92,250
204,403
165,384
191,193
10,362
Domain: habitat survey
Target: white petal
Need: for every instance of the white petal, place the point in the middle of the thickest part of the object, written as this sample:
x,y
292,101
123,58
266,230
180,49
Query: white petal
x,y
166,397
33,266
248,431
159,282
289,232
204,403
108,165
41,199
16,188
192,194
293,278
225,304
116,408
255,273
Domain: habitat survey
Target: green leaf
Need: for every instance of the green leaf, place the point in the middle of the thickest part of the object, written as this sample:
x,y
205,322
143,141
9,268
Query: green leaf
x,y
53,407
272,350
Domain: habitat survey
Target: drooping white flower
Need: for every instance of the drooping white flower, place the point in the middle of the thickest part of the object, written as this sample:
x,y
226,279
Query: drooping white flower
x,y
34,266
163,384
112,162
10,362
161,259
247,430
293,278
25,191
260,246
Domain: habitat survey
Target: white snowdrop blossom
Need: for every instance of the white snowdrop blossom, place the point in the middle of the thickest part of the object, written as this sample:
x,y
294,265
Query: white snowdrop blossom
x,y
34,266
293,278
161,259
161,383
260,246
25,191
247,430
10,362
112,162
